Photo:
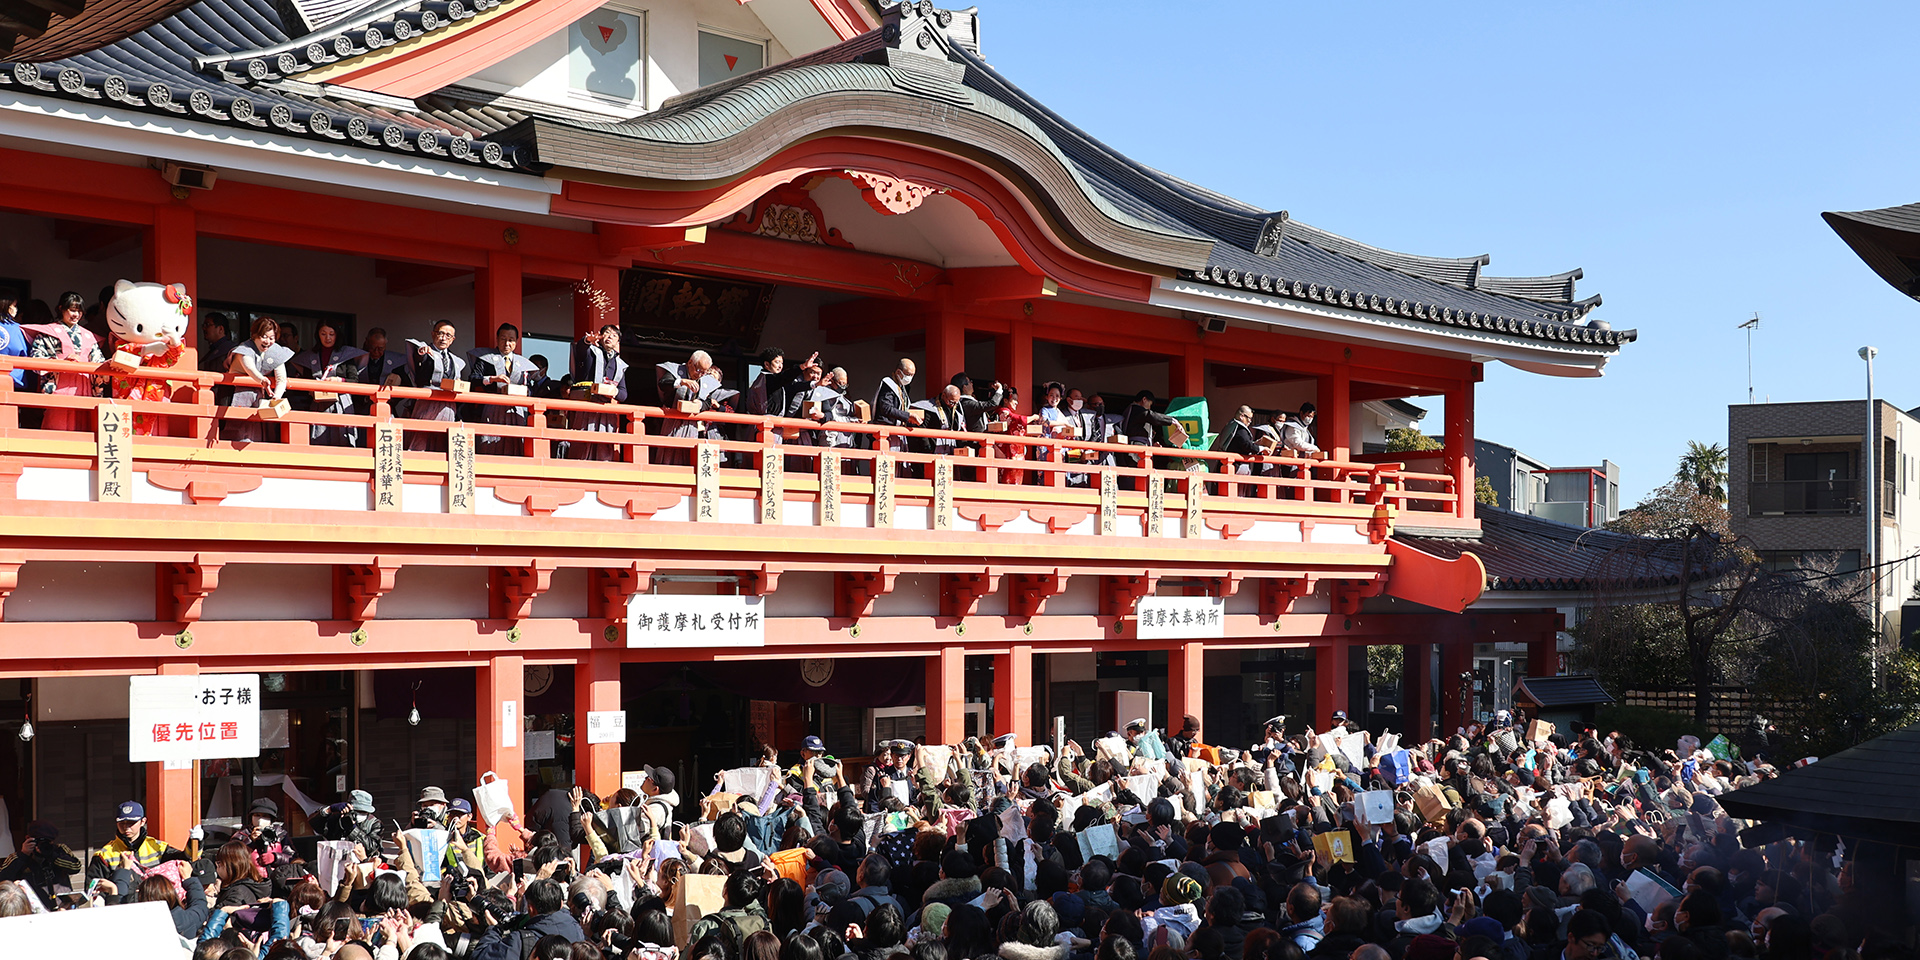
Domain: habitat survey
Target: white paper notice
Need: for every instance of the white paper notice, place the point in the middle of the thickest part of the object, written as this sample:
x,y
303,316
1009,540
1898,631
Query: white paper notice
x,y
540,744
606,726
197,717
509,723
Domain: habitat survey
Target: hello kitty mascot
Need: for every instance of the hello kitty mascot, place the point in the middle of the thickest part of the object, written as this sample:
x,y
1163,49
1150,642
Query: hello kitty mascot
x,y
150,320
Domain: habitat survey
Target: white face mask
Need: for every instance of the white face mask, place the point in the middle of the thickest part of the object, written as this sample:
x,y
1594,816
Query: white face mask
x,y
1075,405
906,380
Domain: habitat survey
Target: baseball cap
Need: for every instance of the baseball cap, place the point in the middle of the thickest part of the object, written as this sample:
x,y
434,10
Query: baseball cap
x,y
662,778
131,810
432,795
1339,714
361,801
459,806
813,743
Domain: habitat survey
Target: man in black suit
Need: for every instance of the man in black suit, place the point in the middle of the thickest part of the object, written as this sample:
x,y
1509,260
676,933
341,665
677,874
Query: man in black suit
x,y
1236,436
1137,426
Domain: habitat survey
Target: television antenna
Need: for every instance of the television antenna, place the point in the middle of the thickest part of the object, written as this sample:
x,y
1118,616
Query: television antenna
x,y
1749,327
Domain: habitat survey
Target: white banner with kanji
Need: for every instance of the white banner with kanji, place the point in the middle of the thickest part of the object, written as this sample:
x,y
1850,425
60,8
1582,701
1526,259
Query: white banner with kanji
x,y
196,717
679,620
1179,618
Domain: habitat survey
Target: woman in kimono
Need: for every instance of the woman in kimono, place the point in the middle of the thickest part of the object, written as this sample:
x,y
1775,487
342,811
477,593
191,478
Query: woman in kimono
x,y
433,363
596,362
494,371
66,339
1009,413
330,360
262,360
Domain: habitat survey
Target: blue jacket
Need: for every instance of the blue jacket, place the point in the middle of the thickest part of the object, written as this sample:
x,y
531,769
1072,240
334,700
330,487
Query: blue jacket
x,y
13,343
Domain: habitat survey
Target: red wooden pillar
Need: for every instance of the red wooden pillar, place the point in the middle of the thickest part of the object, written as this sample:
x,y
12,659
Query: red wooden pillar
x,y
1459,447
1416,692
595,304
947,696
596,687
1186,683
170,253
1332,410
1543,656
171,811
500,709
1456,658
1330,681
1187,373
1012,695
1013,361
496,296
946,350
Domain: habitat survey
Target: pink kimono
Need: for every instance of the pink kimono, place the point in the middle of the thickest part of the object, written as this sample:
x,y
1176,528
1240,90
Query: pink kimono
x,y
65,384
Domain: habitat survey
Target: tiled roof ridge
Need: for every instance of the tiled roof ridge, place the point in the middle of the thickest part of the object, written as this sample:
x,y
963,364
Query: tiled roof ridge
x,y
372,29
153,72
1558,325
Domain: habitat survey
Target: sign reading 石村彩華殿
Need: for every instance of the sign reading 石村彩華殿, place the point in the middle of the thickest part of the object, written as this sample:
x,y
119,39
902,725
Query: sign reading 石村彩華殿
x,y
1178,618
198,717
679,620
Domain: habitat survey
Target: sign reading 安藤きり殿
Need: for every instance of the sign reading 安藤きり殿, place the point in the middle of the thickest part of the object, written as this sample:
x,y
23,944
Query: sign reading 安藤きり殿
x,y
680,620
200,717
1176,618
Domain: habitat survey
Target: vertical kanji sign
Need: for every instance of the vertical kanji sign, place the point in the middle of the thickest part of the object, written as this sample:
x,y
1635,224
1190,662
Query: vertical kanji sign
x,y
772,488
1194,490
943,494
1109,502
882,492
829,489
706,484
202,717
1156,503
460,470
387,471
113,433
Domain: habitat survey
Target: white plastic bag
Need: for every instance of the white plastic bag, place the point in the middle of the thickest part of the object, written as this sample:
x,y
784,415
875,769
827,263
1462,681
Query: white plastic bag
x,y
491,799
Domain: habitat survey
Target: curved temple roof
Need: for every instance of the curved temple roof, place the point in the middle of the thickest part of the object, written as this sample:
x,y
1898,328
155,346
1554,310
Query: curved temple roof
x,y
1888,240
918,79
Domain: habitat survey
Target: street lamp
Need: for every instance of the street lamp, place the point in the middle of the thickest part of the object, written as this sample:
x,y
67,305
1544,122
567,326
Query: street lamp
x,y
1873,490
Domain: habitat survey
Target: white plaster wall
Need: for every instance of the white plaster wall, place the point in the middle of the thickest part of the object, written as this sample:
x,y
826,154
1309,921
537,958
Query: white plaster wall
x,y
87,592
259,591
566,594
436,593
672,50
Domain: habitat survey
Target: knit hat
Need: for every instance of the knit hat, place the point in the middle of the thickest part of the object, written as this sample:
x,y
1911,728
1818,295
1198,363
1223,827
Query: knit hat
x,y
1179,888
1483,927
933,918
1429,946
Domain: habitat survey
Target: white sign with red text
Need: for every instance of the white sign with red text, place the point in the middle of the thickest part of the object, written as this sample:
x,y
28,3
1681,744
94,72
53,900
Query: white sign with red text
x,y
194,717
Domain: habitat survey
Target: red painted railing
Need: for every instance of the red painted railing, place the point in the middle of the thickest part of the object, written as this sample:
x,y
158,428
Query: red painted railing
x,y
194,419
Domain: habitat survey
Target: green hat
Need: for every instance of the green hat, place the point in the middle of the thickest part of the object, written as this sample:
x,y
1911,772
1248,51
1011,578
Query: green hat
x,y
1178,889
933,918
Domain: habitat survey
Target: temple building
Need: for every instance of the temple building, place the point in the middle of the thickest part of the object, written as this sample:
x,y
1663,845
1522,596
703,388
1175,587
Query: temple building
x,y
427,600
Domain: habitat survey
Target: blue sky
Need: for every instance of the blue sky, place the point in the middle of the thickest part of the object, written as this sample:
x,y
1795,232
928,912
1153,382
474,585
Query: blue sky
x,y
1680,153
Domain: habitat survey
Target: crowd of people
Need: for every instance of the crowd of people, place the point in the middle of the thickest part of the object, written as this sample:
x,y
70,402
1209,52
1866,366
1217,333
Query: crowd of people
x,y
264,355
1336,845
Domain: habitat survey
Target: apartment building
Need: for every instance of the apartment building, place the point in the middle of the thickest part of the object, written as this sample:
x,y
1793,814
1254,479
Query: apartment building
x,y
1582,496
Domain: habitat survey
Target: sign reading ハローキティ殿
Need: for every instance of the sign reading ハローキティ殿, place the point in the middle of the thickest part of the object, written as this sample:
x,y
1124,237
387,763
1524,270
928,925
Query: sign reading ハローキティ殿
x,y
199,717
681,620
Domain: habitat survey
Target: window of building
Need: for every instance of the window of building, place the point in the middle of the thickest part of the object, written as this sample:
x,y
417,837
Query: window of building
x,y
1780,561
1757,461
724,56
605,53
1819,466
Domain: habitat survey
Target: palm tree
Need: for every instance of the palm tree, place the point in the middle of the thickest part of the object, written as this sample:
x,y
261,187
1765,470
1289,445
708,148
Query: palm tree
x,y
1704,466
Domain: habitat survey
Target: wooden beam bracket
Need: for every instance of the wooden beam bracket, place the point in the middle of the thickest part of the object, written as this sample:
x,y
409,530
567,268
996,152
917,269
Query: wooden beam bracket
x,y
185,586
855,591
1347,594
1118,595
1028,594
360,587
960,593
1277,594
510,590
613,585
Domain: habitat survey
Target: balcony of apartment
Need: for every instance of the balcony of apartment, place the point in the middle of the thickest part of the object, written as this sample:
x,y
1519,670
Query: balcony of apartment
x,y
1838,496
773,485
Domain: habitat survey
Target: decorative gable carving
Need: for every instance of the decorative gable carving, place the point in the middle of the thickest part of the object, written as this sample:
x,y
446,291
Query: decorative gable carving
x,y
787,212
